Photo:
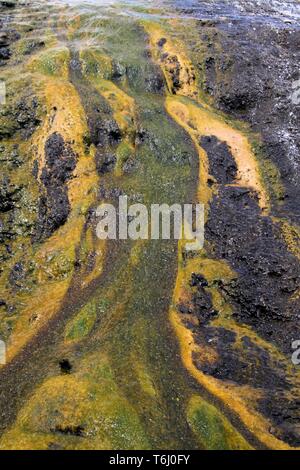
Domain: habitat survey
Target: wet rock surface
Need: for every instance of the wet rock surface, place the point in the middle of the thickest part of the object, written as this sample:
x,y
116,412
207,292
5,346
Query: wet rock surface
x,y
284,413
250,66
179,77
54,207
7,35
104,132
246,363
11,156
267,100
250,364
222,165
9,195
21,117
263,294
8,3
256,251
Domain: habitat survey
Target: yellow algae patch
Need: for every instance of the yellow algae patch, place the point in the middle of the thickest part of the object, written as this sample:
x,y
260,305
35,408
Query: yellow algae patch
x,y
82,188
58,407
173,60
291,235
200,121
212,429
144,378
95,64
55,262
204,192
53,405
270,175
123,105
55,258
84,410
53,62
40,306
65,115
